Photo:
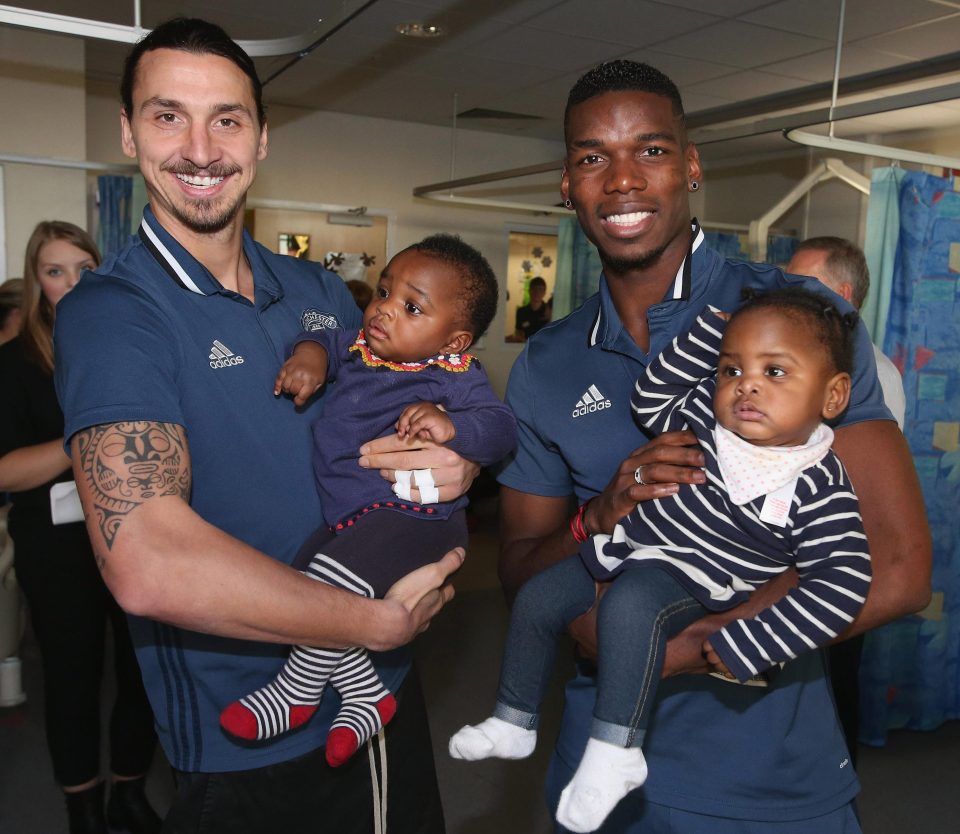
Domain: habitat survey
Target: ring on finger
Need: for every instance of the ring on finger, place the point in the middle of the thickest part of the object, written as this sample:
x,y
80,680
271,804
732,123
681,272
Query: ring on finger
x,y
638,476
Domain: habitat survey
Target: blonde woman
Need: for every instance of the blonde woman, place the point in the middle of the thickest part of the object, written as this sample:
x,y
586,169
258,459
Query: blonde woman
x,y
69,604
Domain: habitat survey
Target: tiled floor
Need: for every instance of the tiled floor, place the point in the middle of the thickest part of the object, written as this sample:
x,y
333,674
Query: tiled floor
x,y
910,786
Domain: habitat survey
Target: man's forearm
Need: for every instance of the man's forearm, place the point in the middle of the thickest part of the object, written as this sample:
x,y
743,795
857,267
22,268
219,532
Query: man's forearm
x,y
161,560
523,559
534,534
168,564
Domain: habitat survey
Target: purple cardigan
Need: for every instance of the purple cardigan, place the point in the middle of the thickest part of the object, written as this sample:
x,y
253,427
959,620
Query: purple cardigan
x,y
364,402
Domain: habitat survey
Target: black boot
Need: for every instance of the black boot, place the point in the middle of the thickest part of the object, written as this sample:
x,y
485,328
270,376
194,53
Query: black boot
x,y
128,809
85,811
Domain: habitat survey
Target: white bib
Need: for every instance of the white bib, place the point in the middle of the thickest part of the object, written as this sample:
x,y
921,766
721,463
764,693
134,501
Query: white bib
x,y
751,471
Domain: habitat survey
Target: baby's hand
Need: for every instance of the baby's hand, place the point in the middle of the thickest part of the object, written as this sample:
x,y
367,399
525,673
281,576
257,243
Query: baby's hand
x,y
426,421
714,661
302,374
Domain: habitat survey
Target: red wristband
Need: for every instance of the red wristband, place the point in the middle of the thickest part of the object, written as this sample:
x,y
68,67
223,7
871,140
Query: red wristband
x,y
577,527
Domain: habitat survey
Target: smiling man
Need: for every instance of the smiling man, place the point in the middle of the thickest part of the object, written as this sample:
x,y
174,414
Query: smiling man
x,y
197,484
723,757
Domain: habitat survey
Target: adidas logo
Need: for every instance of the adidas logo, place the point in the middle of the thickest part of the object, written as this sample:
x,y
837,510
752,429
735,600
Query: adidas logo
x,y
222,357
590,401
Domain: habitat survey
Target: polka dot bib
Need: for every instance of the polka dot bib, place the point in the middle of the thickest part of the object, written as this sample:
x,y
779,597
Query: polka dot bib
x,y
751,471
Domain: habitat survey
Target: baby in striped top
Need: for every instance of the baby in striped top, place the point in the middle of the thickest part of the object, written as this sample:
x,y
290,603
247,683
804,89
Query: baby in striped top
x,y
757,389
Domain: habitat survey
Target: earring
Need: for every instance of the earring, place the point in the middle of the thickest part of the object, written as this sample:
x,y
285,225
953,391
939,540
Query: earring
x,y
568,203
694,185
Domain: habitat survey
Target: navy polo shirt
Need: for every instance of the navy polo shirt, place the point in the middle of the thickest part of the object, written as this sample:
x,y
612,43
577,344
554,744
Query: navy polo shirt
x,y
153,336
713,747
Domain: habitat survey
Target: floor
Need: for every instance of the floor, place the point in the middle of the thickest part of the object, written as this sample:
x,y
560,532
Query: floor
x,y
910,786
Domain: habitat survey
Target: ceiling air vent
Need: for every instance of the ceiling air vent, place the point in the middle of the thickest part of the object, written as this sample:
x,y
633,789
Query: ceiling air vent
x,y
485,113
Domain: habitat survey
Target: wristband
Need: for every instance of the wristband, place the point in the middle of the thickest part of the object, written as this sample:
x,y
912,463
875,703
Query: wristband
x,y
577,527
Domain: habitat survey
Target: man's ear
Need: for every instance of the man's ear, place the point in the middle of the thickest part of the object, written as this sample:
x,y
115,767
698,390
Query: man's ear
x,y
262,146
694,169
564,184
837,396
458,342
126,136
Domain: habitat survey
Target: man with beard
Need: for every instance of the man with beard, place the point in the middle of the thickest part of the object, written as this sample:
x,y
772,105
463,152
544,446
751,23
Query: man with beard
x,y
197,483
723,757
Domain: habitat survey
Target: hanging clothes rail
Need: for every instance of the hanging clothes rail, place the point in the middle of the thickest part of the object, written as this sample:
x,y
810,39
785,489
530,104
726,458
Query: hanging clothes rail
x,y
827,169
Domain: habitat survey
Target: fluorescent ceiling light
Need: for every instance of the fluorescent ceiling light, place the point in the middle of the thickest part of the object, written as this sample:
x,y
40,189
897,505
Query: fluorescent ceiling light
x,y
420,30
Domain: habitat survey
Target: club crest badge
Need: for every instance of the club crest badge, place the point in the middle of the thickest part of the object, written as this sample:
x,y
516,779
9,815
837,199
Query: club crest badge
x,y
313,320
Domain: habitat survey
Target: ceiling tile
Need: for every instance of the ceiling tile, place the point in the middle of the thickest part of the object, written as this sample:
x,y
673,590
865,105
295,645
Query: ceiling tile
x,y
637,23
818,67
862,18
682,71
695,102
723,8
743,45
740,86
919,42
549,49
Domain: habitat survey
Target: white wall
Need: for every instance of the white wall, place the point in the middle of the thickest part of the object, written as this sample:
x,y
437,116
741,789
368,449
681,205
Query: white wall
x,y
42,99
326,157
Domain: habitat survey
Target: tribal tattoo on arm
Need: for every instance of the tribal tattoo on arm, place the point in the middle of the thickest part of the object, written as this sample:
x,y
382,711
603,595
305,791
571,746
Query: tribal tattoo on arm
x,y
123,465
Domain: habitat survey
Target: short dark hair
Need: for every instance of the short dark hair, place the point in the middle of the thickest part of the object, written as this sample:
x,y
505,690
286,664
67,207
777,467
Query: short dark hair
x,y
846,263
479,292
833,329
621,74
190,34
537,281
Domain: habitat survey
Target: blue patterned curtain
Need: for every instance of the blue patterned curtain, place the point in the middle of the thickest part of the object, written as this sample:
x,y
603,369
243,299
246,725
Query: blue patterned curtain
x,y
115,197
780,248
726,243
578,268
910,675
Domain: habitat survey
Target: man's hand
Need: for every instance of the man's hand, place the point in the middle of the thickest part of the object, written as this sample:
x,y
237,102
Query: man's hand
x,y
668,460
416,598
714,661
302,375
425,421
452,474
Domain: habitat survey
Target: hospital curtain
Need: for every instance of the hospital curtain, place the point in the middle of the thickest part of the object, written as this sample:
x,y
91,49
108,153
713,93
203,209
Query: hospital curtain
x,y
115,198
578,268
910,674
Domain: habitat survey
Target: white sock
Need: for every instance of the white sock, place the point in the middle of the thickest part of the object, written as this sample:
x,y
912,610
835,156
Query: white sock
x,y
607,773
493,737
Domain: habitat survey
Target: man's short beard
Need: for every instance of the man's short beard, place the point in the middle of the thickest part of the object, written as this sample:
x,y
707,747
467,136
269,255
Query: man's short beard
x,y
203,221
622,266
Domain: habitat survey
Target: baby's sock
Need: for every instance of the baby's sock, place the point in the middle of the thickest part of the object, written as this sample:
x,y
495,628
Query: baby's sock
x,y
288,701
607,773
367,706
493,737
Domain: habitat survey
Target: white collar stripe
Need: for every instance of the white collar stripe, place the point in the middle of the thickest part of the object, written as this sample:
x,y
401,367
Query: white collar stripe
x,y
596,327
171,261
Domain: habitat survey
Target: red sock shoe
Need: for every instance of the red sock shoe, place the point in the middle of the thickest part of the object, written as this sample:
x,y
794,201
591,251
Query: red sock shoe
x,y
356,718
241,722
